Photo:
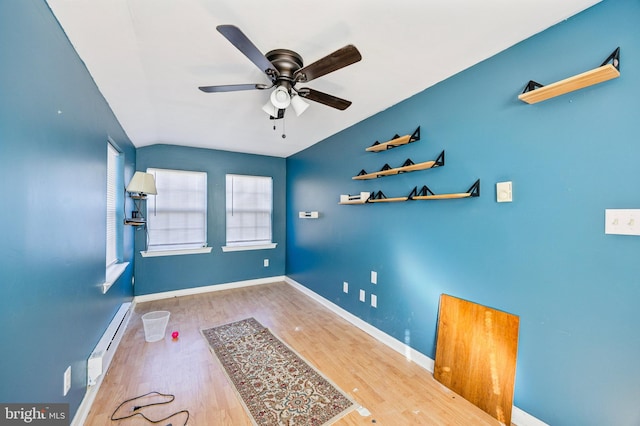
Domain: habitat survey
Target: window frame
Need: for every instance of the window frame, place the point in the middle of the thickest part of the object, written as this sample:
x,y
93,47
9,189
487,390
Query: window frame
x,y
181,248
114,199
247,244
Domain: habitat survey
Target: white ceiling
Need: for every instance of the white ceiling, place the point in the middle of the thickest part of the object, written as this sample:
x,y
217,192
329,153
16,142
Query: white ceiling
x,y
148,58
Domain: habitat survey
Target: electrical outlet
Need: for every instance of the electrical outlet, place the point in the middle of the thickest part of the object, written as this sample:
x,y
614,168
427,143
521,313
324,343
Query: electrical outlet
x,y
362,295
374,277
345,287
374,301
266,263
67,381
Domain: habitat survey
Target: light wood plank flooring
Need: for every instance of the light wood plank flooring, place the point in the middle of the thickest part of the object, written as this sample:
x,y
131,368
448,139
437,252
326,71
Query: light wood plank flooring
x,y
395,390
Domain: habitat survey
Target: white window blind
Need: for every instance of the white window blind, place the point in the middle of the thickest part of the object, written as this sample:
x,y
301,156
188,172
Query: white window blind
x,y
249,202
112,192
177,215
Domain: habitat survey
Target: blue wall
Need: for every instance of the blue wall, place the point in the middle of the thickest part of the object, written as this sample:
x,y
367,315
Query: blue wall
x,y
544,257
158,274
54,125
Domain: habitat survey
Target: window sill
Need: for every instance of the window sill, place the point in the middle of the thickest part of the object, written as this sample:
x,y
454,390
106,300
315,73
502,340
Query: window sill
x,y
249,247
158,253
113,273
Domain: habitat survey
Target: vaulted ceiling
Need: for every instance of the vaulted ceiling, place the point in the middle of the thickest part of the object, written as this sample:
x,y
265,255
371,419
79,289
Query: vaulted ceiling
x,y
148,58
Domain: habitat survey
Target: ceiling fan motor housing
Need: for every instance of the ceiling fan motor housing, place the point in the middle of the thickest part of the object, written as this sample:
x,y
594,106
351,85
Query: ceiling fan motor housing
x,y
287,62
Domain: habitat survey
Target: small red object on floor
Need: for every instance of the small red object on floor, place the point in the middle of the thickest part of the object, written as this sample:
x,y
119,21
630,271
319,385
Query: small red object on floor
x,y
175,335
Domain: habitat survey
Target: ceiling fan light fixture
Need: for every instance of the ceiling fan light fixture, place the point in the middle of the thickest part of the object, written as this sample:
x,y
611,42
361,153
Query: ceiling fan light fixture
x,y
280,97
299,105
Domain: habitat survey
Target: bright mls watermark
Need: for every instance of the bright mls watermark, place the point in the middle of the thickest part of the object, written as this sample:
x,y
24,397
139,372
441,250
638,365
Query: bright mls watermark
x,y
34,414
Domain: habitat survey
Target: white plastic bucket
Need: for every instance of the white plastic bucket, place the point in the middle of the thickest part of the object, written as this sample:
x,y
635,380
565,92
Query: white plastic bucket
x,y
155,324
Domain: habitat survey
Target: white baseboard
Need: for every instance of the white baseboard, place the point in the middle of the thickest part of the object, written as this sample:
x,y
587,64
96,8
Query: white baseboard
x,y
522,418
518,416
207,289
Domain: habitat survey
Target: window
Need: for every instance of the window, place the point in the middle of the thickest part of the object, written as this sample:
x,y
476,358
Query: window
x,y
115,215
113,174
249,202
177,215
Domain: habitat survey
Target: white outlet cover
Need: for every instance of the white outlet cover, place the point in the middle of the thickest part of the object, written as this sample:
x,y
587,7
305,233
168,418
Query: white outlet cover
x,y
374,301
363,295
504,192
345,287
374,277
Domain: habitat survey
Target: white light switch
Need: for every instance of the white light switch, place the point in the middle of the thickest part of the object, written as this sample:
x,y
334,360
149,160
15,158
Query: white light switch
x,y
374,301
622,221
345,287
374,277
362,295
504,192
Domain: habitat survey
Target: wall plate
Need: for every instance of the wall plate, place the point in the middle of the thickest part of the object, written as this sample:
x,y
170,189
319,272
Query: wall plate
x,y
622,221
504,192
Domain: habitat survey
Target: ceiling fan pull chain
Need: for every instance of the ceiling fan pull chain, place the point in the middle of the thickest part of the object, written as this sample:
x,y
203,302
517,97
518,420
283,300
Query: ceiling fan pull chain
x,y
283,129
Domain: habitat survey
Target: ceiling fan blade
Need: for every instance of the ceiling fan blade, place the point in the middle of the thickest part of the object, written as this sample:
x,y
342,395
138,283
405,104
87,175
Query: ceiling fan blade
x,y
233,87
324,98
339,59
244,45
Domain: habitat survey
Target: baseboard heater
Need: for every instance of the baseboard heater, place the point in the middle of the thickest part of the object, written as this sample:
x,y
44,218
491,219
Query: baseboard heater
x,y
100,358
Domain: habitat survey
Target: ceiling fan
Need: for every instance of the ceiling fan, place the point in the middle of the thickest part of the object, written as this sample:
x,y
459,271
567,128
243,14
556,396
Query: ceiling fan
x,y
285,70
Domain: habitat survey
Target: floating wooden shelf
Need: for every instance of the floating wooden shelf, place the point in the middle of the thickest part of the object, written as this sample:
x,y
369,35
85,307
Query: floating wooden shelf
x,y
395,142
407,166
423,194
379,197
135,222
536,92
426,194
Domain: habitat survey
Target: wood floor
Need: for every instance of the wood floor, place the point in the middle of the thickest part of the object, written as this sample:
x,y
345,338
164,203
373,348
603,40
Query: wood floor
x,y
394,390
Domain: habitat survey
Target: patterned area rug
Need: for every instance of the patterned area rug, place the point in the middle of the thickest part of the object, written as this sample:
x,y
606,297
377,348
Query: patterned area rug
x,y
276,385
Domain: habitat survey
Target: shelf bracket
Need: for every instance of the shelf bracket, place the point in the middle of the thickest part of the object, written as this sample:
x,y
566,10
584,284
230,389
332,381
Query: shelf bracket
x,y
407,162
377,196
385,168
531,86
424,191
415,136
614,59
439,161
474,191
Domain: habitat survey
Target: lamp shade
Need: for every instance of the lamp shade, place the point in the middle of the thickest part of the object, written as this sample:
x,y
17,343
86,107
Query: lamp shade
x,y
298,104
280,97
142,183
